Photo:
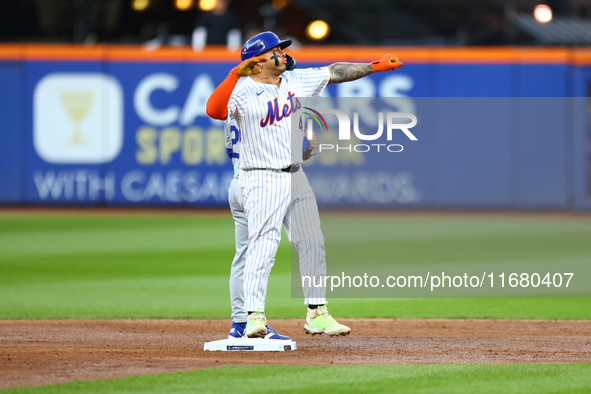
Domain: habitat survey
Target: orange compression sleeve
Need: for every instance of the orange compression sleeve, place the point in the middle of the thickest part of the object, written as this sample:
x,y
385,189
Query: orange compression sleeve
x,y
217,104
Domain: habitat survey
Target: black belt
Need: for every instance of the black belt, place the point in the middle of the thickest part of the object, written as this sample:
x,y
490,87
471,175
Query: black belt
x,y
292,168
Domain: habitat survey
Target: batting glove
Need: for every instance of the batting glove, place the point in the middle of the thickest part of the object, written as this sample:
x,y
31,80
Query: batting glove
x,y
217,104
388,62
246,69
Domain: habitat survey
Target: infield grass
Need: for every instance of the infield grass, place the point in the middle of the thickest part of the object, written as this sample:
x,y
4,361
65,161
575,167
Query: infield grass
x,y
129,266
465,378
87,266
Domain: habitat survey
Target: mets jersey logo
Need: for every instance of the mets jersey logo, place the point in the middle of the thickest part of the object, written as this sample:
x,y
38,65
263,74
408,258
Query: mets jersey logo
x,y
273,113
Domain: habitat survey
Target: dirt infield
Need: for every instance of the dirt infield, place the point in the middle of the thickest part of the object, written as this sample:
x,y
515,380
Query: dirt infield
x,y
39,352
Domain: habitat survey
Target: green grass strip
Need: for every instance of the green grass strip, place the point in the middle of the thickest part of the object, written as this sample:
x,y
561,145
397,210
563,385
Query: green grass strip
x,y
415,378
178,267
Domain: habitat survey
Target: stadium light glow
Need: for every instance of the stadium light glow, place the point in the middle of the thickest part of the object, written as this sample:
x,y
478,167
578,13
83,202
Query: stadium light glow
x,y
183,5
278,5
140,5
206,5
543,13
317,30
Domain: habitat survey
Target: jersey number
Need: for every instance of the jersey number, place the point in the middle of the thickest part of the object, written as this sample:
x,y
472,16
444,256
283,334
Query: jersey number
x,y
235,140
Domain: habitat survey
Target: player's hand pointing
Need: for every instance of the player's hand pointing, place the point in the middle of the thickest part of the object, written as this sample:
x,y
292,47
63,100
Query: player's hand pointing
x,y
246,68
388,62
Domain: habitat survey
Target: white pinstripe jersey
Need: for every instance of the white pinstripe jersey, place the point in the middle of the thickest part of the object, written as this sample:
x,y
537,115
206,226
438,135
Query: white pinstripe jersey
x,y
263,113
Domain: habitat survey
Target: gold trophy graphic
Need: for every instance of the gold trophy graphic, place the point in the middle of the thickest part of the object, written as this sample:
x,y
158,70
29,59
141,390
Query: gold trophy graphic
x,y
77,105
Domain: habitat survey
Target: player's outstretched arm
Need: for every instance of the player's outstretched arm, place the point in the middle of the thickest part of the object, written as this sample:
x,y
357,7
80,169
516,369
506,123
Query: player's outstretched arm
x,y
344,72
217,104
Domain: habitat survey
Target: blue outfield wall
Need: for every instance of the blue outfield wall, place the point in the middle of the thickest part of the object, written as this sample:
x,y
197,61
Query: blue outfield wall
x,y
11,117
136,133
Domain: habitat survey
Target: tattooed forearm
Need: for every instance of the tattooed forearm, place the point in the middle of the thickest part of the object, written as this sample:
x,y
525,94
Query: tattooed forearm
x,y
343,72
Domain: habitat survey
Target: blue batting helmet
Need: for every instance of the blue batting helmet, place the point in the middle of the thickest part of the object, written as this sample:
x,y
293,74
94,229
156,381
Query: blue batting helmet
x,y
260,43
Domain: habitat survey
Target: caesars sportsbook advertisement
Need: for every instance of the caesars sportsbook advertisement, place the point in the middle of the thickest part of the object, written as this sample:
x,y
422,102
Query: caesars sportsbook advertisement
x,y
111,132
129,133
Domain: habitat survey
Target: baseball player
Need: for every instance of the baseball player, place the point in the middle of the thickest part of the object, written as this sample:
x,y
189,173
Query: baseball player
x,y
239,316
275,190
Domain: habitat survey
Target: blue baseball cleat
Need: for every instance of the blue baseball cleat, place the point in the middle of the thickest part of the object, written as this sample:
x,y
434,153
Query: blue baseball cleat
x,y
272,334
237,330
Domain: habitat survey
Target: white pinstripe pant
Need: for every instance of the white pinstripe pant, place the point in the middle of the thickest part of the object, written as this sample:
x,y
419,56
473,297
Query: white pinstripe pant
x,y
273,198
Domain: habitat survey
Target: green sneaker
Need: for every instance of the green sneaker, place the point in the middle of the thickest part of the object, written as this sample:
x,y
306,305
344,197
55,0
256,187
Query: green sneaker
x,y
319,321
256,326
